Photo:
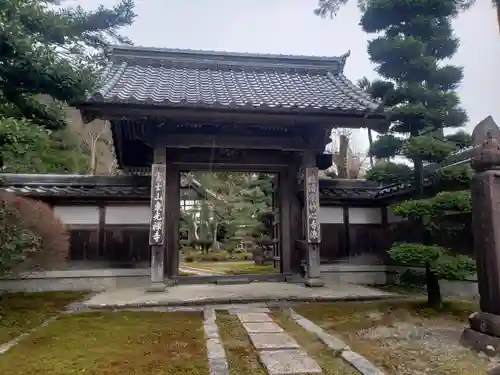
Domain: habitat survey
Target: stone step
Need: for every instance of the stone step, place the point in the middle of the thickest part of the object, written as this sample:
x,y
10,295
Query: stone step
x,y
288,362
272,341
232,281
278,352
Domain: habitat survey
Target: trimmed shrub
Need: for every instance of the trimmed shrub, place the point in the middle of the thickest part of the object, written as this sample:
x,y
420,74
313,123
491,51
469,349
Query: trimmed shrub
x,y
33,238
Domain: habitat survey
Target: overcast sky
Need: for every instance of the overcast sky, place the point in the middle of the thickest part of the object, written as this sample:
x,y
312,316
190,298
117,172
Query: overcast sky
x,y
290,27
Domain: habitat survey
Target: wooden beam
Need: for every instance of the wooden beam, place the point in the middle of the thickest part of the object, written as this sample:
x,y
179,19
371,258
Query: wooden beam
x,y
347,232
288,117
173,207
236,159
223,141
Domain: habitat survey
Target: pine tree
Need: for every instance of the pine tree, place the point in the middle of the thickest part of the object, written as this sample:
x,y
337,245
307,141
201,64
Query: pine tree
x,y
414,40
49,50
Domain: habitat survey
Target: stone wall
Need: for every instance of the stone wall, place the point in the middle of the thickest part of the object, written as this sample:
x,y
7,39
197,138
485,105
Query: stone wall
x,y
84,279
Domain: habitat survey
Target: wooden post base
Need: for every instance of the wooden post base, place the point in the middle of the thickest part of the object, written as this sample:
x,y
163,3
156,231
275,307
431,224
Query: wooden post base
x,y
157,287
314,282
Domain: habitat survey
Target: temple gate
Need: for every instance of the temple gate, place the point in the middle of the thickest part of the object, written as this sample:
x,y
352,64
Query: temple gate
x,y
180,110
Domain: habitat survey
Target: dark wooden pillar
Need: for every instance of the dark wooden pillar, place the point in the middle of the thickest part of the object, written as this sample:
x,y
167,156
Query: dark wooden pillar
x,y
157,226
285,196
347,232
173,207
310,219
295,218
101,231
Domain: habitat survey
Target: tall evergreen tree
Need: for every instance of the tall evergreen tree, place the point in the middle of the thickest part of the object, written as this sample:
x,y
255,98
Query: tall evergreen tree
x,y
51,50
416,38
49,55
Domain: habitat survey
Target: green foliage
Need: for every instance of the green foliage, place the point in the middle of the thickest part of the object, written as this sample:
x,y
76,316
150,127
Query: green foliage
x,y
241,200
412,44
413,41
29,148
48,50
454,267
329,8
389,173
461,139
442,263
453,177
386,146
428,148
414,254
435,207
15,241
415,38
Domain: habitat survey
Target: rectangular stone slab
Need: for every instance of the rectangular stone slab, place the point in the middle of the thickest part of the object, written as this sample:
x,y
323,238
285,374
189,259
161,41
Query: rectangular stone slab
x,y
254,317
272,341
288,362
360,363
262,327
247,309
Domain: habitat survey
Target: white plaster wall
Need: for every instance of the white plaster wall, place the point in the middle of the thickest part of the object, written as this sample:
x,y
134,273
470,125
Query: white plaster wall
x,y
87,215
331,215
132,214
365,215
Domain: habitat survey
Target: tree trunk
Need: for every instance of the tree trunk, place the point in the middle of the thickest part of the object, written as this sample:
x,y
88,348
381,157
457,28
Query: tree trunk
x,y
340,158
93,154
419,177
370,141
497,5
214,240
434,299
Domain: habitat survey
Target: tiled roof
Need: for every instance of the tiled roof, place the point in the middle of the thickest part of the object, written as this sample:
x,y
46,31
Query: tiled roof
x,y
79,186
343,189
80,192
169,77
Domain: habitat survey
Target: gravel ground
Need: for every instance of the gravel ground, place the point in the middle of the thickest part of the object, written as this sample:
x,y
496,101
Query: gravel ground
x,y
417,346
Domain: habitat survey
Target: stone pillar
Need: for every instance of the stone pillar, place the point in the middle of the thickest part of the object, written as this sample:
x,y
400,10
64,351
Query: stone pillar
x,y
312,226
484,331
157,224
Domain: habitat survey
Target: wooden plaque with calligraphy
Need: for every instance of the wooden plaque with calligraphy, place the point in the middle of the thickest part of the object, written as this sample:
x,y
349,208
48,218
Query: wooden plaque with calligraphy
x,y
157,228
312,205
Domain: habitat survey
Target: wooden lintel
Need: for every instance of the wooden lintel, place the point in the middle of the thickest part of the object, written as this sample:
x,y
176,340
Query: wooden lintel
x,y
235,158
219,167
221,141
297,117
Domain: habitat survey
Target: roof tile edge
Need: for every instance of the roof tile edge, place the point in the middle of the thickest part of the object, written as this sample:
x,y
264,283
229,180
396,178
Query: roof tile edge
x,y
337,63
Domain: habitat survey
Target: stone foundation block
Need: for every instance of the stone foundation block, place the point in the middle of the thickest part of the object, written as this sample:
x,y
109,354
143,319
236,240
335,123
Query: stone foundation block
x,y
480,342
486,323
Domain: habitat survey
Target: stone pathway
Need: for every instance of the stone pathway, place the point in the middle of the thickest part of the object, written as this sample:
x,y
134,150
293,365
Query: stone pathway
x,y
279,353
215,351
205,294
360,363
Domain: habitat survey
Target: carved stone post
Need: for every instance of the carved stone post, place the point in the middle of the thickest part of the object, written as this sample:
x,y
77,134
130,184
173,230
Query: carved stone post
x,y
312,227
157,225
484,331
